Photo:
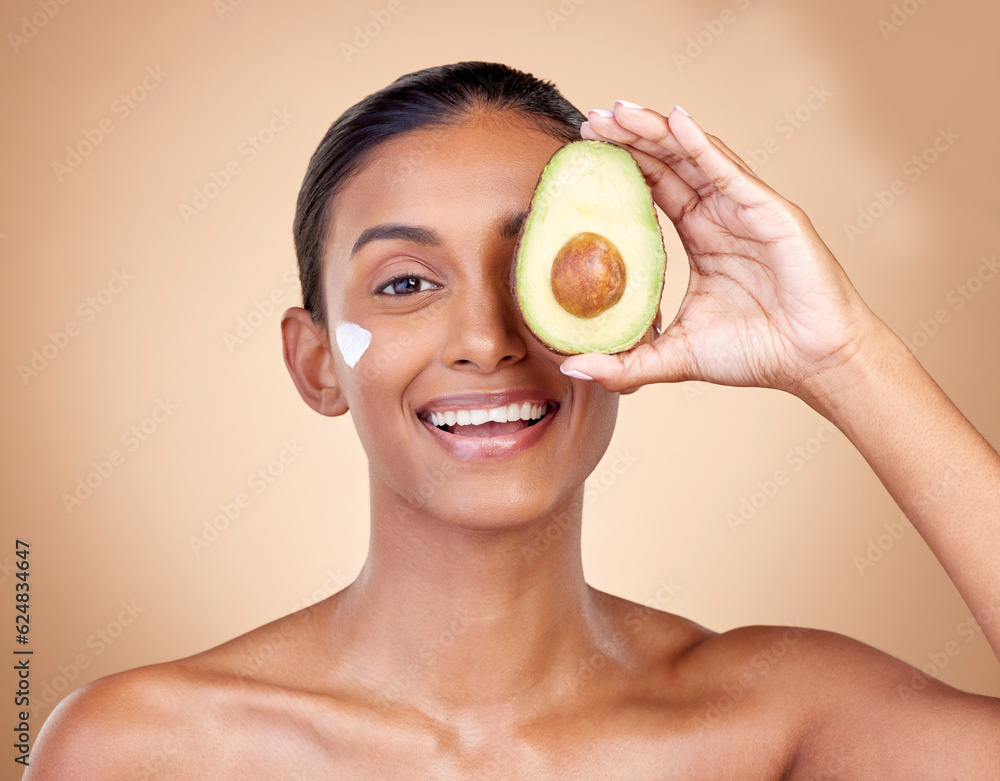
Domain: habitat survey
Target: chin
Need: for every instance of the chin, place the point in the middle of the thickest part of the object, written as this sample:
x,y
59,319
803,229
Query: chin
x,y
485,510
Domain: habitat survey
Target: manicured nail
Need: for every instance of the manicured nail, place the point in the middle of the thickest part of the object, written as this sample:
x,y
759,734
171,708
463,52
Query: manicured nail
x,y
628,103
680,110
602,112
576,374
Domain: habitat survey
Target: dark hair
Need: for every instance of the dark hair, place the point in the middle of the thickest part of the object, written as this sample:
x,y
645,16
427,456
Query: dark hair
x,y
439,96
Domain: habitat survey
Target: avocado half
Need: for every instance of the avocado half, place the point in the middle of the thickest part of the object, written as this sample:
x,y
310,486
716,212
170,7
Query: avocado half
x,y
590,260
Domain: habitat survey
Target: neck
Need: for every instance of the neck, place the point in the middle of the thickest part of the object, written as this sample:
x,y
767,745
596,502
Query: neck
x,y
450,618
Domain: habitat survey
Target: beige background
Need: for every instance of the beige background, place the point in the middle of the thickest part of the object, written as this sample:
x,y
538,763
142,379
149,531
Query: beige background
x,y
687,456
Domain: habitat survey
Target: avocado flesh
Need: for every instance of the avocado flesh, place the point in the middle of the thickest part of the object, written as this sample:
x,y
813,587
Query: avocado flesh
x,y
590,187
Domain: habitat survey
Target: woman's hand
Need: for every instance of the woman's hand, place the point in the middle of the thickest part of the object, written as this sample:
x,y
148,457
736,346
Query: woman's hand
x,y
767,305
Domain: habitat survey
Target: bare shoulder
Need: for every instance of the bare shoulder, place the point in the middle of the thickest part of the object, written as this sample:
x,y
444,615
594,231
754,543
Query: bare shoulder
x,y
115,727
855,706
159,718
801,703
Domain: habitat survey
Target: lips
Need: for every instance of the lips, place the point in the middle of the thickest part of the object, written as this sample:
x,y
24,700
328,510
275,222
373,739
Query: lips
x,y
488,425
489,422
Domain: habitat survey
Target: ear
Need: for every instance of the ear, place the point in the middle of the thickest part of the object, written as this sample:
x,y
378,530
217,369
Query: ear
x,y
649,336
306,347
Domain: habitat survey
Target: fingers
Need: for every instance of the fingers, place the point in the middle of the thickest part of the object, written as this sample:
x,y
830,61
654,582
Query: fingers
x,y
732,155
665,360
647,131
671,192
701,161
725,174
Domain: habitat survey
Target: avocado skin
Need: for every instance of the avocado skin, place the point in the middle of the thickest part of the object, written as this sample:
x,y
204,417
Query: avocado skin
x,y
652,284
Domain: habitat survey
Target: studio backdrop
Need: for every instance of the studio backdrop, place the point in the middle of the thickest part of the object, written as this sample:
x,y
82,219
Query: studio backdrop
x,y
171,490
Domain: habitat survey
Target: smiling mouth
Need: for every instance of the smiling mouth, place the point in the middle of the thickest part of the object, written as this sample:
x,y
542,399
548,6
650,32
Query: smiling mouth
x,y
491,422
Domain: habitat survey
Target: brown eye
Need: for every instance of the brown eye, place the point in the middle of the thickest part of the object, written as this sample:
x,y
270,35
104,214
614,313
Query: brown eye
x,y
405,285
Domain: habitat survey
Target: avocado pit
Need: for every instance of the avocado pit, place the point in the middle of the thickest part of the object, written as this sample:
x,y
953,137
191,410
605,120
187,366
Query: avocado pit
x,y
588,275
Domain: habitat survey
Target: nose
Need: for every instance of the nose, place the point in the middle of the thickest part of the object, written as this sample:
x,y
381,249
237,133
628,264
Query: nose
x,y
485,328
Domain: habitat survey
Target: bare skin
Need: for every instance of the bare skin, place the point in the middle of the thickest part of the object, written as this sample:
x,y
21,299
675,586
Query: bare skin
x,y
464,650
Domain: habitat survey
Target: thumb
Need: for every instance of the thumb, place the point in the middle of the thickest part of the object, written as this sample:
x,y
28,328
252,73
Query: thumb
x,y
664,360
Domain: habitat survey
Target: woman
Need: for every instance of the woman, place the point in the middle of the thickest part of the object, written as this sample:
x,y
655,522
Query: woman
x,y
464,651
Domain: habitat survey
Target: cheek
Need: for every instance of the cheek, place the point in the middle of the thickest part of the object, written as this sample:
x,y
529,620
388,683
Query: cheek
x,y
387,358
601,417
352,341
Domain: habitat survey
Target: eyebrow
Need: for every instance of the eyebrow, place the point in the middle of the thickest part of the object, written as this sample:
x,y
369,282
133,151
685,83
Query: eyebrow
x,y
508,228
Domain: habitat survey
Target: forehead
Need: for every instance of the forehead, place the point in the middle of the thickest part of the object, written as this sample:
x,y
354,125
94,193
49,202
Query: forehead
x,y
458,179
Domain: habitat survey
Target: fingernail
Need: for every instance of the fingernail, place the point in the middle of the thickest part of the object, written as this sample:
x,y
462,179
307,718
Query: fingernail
x,y
602,112
628,103
680,110
576,374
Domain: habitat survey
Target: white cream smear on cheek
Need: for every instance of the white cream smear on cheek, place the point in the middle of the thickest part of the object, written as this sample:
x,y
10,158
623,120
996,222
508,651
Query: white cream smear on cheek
x,y
352,340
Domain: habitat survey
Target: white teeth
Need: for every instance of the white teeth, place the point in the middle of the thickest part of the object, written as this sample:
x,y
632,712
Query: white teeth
x,y
475,417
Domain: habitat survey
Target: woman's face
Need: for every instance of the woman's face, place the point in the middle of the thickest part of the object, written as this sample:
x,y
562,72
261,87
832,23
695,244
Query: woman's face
x,y
446,335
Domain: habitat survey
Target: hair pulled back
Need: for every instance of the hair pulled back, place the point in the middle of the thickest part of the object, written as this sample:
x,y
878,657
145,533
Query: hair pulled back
x,y
439,96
